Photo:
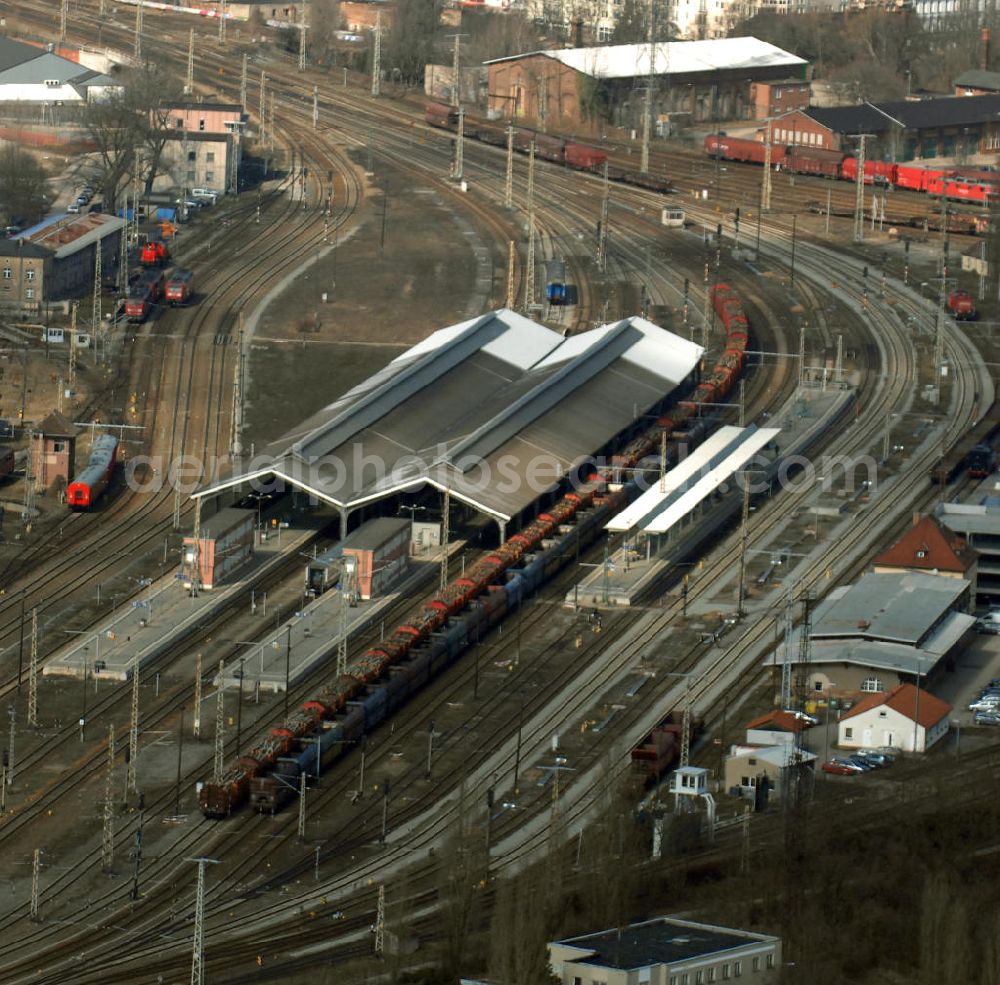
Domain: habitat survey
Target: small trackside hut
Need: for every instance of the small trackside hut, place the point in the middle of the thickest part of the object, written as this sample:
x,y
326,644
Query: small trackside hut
x,y
381,551
225,544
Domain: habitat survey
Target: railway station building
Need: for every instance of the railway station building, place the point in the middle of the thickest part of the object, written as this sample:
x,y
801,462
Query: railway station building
x,y
884,630
204,146
500,412
574,89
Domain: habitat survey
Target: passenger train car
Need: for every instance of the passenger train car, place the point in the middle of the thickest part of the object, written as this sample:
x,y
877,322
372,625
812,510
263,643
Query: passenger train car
x,y
90,484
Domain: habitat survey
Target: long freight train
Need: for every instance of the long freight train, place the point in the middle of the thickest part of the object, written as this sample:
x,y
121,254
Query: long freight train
x,y
582,157
962,185
386,675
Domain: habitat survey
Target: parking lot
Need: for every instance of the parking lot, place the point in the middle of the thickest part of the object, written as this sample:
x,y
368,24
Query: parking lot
x,y
974,669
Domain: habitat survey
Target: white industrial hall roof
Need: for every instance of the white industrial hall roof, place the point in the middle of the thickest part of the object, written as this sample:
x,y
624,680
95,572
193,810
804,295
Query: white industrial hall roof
x,y
693,480
626,61
497,410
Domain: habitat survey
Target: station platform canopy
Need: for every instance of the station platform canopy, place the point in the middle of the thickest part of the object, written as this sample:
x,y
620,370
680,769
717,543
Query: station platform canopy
x,y
693,480
497,410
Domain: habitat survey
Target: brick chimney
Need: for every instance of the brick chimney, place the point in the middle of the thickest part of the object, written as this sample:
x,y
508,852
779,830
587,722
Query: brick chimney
x,y
984,49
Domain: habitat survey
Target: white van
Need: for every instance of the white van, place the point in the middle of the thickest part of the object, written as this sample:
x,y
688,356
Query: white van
x,y
206,193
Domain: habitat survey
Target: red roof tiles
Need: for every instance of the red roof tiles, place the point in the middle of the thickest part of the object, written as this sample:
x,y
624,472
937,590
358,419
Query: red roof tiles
x,y
903,699
927,546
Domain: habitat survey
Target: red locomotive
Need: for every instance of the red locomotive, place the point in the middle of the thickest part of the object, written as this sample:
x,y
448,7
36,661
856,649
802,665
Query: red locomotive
x,y
962,306
154,254
180,287
143,295
88,487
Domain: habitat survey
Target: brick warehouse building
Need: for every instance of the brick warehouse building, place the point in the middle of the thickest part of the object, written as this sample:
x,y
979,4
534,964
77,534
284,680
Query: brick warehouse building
x,y
573,88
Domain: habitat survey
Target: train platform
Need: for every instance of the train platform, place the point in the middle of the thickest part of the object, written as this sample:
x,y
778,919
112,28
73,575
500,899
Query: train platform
x,y
693,507
163,612
312,636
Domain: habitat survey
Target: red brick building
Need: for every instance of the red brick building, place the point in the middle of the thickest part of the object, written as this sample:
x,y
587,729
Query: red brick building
x,y
769,99
53,452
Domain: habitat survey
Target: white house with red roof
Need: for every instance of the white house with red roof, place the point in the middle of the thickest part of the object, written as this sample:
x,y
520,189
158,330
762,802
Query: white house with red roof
x,y
906,718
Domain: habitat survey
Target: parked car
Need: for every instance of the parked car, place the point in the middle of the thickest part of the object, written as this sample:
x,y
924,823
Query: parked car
x,y
840,769
6,428
987,717
988,703
74,208
850,764
878,756
873,761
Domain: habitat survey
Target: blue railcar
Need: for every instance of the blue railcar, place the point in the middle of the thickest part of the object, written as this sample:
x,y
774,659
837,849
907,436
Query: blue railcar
x,y
555,288
533,572
351,722
513,587
376,706
398,686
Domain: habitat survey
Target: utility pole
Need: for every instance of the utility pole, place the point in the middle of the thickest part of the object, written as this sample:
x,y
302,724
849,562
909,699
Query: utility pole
x,y
302,39
805,651
529,273
508,189
647,113
189,80
133,735
686,724
10,745
63,11
456,74
765,185
377,55
445,535
236,444
602,232
838,366
744,534
33,672
262,113
787,661
380,922
342,633
177,507
315,107
196,550
196,725
220,726
137,854
302,805
802,354
243,83
72,334
510,276
108,840
96,321
198,950
36,865
222,23
138,30
859,190
459,164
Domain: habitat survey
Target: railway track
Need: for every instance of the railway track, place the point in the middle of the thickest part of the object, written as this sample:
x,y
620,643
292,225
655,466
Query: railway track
x,y
536,735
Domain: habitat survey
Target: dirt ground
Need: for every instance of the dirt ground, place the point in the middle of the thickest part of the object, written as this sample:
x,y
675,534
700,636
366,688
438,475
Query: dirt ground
x,y
381,299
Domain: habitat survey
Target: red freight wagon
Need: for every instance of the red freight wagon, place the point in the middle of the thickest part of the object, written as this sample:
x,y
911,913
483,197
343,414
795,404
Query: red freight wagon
x,y
814,160
738,149
876,172
584,157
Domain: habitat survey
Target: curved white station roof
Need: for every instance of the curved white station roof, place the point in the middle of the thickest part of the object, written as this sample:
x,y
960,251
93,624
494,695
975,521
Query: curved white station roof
x,y
497,410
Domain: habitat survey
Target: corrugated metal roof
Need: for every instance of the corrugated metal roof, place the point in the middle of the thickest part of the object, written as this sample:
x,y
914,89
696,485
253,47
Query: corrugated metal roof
x,y
694,479
496,409
966,518
975,78
625,61
14,53
66,234
890,607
